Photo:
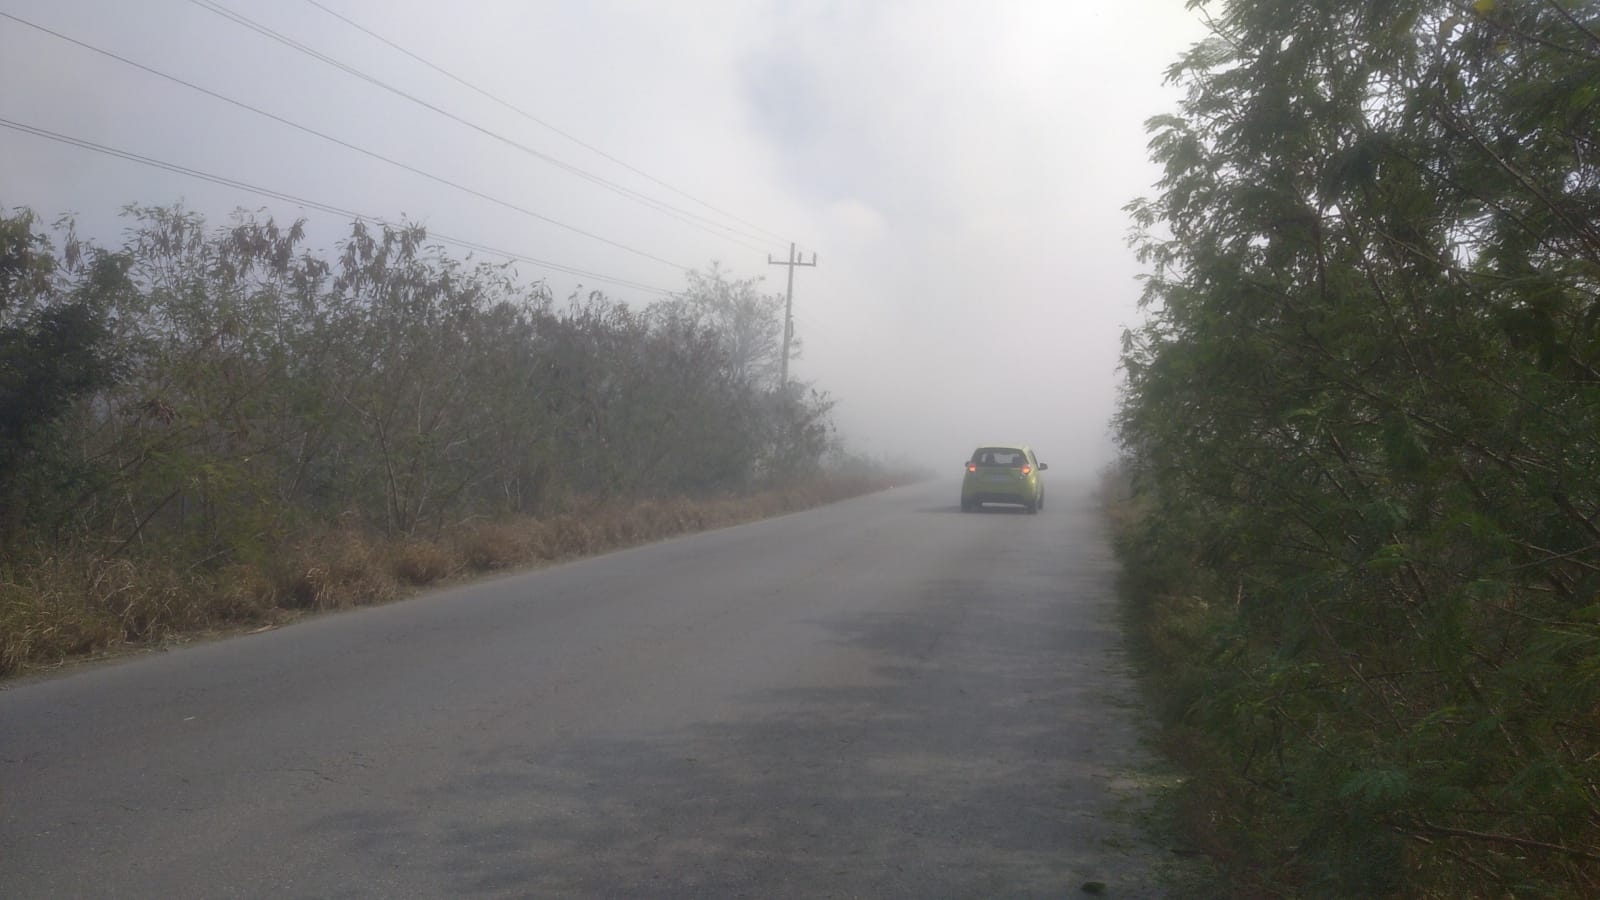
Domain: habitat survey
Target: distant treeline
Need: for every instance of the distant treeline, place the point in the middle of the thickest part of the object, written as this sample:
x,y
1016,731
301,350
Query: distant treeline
x,y
1362,424
216,387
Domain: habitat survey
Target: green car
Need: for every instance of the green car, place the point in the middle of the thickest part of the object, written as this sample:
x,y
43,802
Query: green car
x,y
1003,474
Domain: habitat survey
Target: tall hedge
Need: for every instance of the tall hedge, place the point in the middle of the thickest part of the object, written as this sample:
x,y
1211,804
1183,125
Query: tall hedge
x,y
209,389
1363,410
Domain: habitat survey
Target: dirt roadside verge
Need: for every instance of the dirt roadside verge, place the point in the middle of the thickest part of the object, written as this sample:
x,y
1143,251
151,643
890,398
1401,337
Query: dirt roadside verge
x,y
68,609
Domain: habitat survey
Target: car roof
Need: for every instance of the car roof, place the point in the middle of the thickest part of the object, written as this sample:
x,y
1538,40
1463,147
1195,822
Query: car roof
x,y
1021,447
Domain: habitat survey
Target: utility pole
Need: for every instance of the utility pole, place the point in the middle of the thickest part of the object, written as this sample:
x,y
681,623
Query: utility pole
x,y
788,305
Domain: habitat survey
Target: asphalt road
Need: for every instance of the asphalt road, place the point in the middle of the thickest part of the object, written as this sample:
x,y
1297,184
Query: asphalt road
x,y
881,698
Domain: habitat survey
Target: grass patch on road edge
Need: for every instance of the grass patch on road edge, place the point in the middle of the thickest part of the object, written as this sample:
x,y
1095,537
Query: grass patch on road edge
x,y
1193,811
60,608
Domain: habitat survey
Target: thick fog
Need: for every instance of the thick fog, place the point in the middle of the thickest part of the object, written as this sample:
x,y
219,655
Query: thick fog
x,y
959,167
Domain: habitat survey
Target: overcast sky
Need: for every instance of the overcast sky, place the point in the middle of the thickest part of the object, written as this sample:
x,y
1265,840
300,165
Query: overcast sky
x,y
960,166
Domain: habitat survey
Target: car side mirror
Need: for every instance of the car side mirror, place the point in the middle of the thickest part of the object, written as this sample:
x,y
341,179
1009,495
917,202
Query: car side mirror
x,y
1043,466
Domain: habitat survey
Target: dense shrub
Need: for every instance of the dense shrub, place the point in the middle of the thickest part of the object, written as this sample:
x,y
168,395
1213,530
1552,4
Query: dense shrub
x,y
209,426
1363,423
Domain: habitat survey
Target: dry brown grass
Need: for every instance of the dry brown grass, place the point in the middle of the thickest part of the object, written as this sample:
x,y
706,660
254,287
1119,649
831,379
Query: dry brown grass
x,y
424,562
58,608
45,624
336,570
487,546
61,607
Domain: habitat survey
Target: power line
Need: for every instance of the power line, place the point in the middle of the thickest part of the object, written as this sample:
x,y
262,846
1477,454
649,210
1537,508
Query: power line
x,y
538,121
346,144
668,209
311,204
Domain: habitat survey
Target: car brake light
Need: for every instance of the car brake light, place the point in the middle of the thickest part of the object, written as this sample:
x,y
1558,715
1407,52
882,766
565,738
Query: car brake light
x,y
1027,469
972,467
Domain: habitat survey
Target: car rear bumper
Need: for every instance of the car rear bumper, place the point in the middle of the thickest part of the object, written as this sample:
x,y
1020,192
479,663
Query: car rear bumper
x,y
993,496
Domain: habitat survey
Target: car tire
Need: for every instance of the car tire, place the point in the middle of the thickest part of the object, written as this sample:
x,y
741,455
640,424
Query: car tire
x,y
1041,501
1032,506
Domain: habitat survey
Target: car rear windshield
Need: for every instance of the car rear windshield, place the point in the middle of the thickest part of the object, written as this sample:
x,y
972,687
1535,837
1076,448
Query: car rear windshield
x,y
1000,456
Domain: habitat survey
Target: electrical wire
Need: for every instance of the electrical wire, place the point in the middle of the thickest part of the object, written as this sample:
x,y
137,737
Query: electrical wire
x,y
343,143
542,123
224,181
668,209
